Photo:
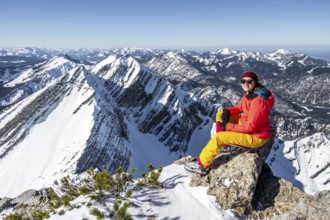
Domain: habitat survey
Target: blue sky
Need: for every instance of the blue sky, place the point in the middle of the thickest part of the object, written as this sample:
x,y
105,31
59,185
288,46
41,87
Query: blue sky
x,y
166,24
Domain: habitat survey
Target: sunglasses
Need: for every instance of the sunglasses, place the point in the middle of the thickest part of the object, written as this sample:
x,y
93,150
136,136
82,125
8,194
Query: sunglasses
x,y
249,81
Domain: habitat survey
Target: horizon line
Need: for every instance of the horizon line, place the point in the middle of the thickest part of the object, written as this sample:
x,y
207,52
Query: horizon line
x,y
213,47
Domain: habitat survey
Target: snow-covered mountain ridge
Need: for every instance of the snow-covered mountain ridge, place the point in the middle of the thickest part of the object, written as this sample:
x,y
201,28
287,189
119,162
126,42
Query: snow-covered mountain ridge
x,y
107,104
62,115
277,69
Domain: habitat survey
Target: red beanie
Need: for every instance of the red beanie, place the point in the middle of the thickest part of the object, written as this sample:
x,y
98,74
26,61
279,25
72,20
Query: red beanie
x,y
252,75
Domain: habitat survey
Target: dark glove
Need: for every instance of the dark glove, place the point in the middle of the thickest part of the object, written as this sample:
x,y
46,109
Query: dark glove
x,y
224,119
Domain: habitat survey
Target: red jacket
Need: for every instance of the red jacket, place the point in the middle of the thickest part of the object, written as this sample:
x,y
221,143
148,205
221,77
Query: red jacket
x,y
254,115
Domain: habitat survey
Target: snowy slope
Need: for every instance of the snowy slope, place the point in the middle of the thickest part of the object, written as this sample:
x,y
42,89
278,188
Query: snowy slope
x,y
176,201
304,162
52,146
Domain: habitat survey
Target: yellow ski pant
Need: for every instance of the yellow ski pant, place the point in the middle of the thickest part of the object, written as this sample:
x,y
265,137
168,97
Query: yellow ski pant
x,y
213,148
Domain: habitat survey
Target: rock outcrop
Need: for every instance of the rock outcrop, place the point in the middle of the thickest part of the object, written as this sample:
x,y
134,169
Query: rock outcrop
x,y
241,181
277,198
27,202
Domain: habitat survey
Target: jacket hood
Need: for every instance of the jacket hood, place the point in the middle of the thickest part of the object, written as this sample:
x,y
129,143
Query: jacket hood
x,y
263,92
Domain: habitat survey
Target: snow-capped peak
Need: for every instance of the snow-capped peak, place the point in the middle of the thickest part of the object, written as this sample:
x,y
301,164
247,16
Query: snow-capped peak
x,y
282,51
107,61
171,54
175,56
51,69
226,51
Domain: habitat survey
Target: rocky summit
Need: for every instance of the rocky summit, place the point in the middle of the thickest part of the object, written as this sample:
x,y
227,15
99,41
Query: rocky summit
x,y
242,182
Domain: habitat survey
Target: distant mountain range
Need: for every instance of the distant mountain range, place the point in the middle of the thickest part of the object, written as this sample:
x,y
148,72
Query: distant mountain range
x,y
63,111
